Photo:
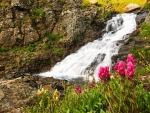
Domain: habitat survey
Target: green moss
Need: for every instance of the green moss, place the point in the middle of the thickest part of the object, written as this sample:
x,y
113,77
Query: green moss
x,y
53,37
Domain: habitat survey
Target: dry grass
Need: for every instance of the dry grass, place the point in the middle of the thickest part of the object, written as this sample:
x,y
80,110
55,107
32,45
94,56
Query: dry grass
x,y
118,5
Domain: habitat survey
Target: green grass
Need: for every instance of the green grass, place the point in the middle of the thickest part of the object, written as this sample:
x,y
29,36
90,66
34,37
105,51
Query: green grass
x,y
145,30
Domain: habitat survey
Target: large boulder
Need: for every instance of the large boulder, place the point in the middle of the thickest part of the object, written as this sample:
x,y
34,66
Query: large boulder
x,y
131,7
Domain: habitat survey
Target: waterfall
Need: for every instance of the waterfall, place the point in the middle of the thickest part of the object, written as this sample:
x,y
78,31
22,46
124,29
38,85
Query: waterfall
x,y
89,58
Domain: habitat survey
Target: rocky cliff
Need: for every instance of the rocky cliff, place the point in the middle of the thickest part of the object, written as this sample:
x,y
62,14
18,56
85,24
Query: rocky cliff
x,y
35,34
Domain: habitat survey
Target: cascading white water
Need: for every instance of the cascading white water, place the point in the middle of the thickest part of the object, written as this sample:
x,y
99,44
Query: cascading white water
x,y
93,55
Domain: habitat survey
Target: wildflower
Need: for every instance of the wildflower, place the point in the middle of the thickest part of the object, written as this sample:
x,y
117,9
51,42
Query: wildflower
x,y
92,83
56,95
121,68
130,59
130,70
116,66
104,73
78,89
42,91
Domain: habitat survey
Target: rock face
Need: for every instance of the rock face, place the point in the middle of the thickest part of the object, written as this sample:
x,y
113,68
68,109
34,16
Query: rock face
x,y
147,20
131,7
25,24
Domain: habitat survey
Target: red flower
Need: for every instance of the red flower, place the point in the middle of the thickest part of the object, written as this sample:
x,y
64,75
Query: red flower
x,y
130,59
130,70
104,73
121,68
78,89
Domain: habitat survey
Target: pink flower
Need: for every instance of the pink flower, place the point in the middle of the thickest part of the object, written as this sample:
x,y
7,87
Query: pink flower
x,y
130,59
92,83
116,66
78,89
130,70
121,68
104,73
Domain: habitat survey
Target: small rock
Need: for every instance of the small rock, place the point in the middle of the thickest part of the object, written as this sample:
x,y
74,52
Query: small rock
x,y
93,1
1,94
131,7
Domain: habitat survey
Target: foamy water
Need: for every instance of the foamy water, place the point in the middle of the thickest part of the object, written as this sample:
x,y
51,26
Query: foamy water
x,y
90,57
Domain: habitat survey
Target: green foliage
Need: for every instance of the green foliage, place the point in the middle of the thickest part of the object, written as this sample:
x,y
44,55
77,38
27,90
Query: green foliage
x,y
58,51
38,12
145,30
3,50
53,37
147,6
143,99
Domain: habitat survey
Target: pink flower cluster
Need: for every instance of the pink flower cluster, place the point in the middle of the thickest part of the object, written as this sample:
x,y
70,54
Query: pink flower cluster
x,y
126,68
78,89
104,73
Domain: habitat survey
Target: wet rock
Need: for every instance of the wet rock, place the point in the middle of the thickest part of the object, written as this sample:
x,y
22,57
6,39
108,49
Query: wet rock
x,y
58,86
131,7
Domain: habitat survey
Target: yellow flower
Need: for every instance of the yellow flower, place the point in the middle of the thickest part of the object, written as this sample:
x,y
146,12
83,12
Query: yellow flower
x,y
56,95
42,91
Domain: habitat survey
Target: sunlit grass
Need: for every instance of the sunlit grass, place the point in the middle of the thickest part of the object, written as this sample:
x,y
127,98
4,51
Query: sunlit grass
x,y
118,5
